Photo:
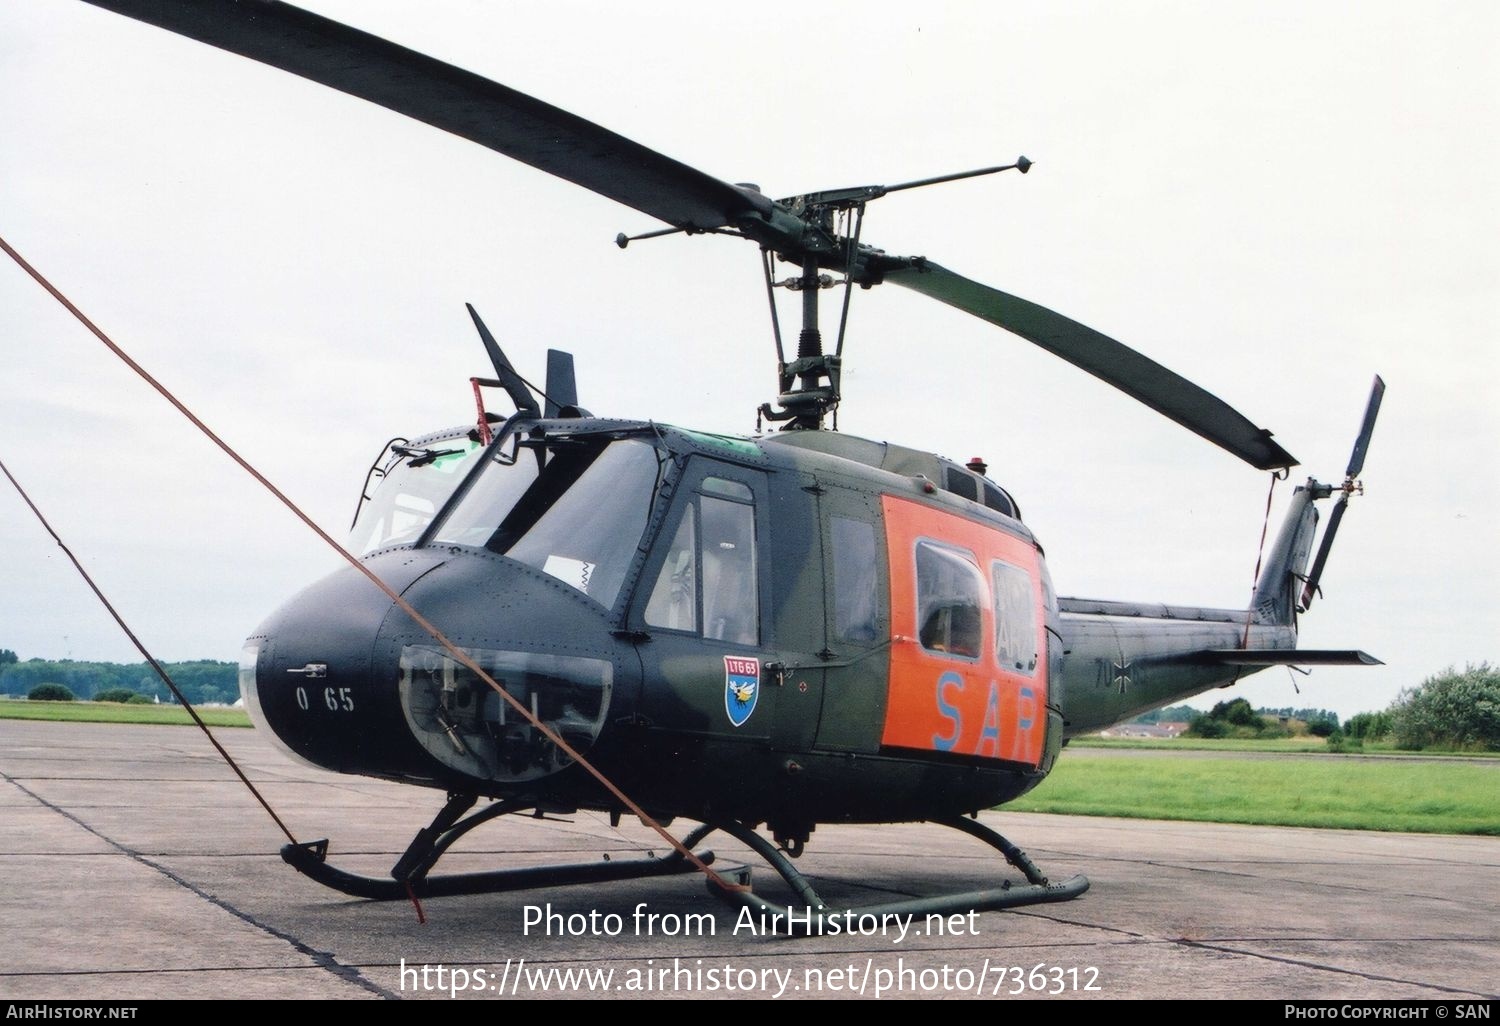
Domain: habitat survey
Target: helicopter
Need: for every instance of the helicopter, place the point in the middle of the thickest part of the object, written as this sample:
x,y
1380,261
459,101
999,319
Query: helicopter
x,y
795,629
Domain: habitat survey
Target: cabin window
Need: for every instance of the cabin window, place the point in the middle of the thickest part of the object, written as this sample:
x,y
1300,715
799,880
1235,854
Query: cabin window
x,y
674,600
587,534
730,610
959,483
728,489
414,484
572,509
709,575
1015,619
950,595
855,594
506,475
1000,502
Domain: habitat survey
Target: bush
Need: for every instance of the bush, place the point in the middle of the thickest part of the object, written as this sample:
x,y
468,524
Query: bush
x,y
1369,726
1268,730
1237,719
1323,726
50,693
1207,727
1451,710
1339,742
123,695
1238,712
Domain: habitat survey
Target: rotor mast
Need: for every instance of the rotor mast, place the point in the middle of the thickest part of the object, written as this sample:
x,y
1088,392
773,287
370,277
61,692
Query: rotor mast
x,y
802,230
809,385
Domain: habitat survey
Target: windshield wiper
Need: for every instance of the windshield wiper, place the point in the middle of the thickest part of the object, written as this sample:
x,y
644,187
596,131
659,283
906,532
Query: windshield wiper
x,y
422,457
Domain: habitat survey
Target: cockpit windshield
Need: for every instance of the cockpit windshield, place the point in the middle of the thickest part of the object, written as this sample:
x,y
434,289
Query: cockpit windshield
x,y
414,483
574,508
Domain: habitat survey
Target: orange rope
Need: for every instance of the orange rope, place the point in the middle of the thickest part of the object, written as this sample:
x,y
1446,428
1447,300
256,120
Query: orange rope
x,y
160,672
1260,554
458,654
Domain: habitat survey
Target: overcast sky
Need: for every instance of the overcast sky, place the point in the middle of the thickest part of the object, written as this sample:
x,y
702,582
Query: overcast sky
x,y
1277,200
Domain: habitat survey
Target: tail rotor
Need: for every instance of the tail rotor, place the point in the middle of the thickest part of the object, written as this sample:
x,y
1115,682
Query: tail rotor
x,y
1351,486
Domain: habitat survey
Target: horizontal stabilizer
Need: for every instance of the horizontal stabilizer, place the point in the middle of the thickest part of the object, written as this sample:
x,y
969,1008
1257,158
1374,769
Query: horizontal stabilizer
x,y
1290,657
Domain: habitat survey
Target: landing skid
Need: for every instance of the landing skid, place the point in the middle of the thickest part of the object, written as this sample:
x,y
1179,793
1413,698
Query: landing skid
x,y
410,876
813,916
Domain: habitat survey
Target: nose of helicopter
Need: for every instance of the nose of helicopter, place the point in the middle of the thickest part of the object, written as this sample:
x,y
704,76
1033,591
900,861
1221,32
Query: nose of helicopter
x,y
343,678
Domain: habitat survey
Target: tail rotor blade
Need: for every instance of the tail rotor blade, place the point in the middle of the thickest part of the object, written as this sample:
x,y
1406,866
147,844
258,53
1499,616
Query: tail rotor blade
x,y
1362,443
1310,587
1349,487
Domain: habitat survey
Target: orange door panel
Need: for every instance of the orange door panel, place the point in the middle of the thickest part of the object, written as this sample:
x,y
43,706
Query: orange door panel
x,y
957,683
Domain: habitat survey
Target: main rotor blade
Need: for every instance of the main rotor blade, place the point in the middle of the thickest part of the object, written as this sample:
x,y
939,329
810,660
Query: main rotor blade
x,y
1137,376
454,100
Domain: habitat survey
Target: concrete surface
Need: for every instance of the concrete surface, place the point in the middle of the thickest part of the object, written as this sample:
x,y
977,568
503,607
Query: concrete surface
x,y
133,865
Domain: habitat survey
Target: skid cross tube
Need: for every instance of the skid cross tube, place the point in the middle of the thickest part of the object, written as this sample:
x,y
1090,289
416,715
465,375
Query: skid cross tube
x,y
815,912
410,874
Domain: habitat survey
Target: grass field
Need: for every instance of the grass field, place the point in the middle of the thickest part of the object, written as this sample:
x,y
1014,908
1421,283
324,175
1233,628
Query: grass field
x,y
1284,745
1419,796
116,712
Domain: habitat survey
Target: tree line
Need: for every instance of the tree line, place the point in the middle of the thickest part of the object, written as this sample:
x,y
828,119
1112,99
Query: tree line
x,y
1456,710
202,681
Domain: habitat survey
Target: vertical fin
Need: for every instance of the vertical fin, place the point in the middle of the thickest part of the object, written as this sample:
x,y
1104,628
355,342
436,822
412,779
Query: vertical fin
x,y
1276,591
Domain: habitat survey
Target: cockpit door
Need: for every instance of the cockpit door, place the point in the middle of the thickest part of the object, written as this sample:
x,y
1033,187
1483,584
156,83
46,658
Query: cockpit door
x,y
705,604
